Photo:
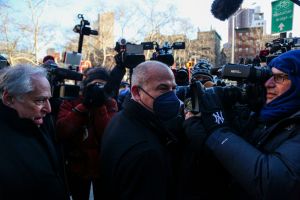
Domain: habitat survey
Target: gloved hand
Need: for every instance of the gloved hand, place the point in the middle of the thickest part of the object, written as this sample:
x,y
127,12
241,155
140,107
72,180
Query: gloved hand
x,y
195,133
258,96
94,95
211,107
120,59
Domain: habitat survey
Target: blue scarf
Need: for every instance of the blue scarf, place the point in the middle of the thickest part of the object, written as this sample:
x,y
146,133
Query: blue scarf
x,y
289,102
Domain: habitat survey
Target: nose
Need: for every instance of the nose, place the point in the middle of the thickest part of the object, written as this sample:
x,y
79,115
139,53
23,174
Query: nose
x,y
270,82
47,107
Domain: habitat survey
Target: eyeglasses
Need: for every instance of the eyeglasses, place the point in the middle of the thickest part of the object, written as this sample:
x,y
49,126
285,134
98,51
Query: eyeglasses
x,y
279,78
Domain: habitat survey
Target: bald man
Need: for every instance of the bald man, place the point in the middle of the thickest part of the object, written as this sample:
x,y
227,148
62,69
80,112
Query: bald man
x,y
136,160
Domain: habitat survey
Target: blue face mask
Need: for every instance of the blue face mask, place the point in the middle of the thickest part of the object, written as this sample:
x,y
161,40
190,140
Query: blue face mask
x,y
165,106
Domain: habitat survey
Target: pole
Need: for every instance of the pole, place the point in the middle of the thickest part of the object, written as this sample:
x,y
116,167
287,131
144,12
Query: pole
x,y
233,39
80,42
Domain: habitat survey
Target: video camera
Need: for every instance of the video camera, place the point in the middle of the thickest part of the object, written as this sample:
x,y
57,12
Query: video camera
x,y
248,91
132,54
277,47
245,73
164,53
57,77
83,28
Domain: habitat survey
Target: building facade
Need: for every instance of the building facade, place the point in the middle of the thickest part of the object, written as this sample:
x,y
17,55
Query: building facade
x,y
245,33
207,46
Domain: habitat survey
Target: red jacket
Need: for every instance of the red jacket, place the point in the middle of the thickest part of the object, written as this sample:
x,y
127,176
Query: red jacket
x,y
81,129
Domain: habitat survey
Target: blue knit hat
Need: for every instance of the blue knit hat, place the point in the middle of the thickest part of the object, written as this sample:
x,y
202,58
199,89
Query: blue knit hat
x,y
289,102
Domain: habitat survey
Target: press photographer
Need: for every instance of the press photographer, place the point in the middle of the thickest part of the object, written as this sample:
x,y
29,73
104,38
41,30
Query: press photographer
x,y
263,161
80,125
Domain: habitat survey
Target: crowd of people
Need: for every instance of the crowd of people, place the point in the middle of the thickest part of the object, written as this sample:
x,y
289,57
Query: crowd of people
x,y
143,140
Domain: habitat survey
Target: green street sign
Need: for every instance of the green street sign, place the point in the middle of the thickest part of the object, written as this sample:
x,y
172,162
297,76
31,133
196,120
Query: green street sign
x,y
282,16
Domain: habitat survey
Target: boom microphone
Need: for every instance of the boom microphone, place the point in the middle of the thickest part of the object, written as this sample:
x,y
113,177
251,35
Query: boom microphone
x,y
296,2
223,9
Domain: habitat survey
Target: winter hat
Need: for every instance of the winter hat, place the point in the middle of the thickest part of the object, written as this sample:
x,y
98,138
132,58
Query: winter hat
x,y
96,73
289,102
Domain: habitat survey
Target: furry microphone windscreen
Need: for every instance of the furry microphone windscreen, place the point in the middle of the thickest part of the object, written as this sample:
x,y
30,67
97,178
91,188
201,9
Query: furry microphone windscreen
x,y
223,9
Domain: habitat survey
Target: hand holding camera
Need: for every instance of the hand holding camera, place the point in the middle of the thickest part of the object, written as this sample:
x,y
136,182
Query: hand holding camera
x,y
211,107
120,59
94,95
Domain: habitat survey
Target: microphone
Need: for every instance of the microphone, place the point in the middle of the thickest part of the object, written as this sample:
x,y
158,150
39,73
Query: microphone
x,y
296,2
223,9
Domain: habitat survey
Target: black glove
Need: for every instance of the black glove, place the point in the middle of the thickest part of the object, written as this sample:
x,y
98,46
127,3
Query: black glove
x,y
211,107
120,59
195,133
94,95
256,96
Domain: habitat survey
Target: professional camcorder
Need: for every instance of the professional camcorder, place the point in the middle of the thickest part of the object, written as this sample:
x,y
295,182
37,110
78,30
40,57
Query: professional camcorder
x,y
132,54
164,54
244,73
277,47
249,89
57,77
83,27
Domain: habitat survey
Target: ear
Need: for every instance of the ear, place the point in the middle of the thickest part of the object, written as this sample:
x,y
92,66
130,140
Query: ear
x,y
135,92
7,99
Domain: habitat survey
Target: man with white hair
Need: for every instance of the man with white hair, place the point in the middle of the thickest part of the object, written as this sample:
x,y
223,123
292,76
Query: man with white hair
x,y
31,166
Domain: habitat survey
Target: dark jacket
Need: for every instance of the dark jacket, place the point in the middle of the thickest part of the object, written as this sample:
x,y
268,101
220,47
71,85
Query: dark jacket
x,y
136,157
31,166
265,165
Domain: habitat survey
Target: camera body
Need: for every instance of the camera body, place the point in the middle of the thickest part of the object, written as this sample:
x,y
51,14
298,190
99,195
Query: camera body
x,y
249,90
94,95
164,54
83,28
277,47
132,54
57,77
245,73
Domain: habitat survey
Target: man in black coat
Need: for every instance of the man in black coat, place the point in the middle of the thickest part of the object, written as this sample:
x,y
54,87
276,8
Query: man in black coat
x,y
264,160
31,165
137,154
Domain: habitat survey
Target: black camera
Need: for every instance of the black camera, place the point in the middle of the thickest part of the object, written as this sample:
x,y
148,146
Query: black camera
x,y
57,77
245,73
94,95
164,54
277,47
249,89
83,28
132,54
